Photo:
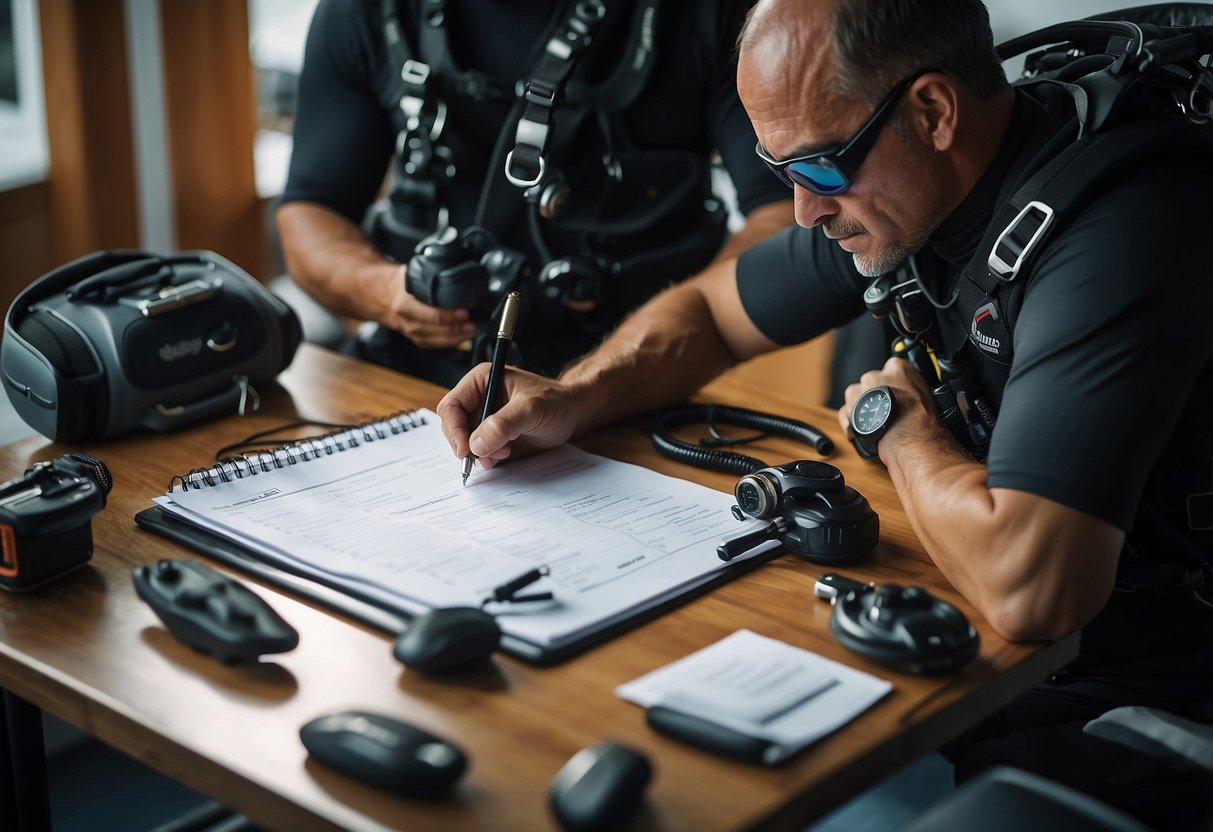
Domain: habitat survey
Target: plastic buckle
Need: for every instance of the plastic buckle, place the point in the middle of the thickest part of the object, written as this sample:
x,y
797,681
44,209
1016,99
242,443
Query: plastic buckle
x,y
999,267
415,72
1200,511
1200,99
591,10
559,49
1170,586
540,93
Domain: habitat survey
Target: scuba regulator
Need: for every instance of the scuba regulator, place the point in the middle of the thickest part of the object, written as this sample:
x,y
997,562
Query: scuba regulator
x,y
813,512
959,403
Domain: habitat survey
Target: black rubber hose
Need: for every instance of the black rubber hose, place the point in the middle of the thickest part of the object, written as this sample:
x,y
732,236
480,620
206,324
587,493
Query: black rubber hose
x,y
728,462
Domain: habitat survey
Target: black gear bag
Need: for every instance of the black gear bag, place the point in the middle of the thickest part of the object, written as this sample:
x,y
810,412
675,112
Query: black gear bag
x,y
120,340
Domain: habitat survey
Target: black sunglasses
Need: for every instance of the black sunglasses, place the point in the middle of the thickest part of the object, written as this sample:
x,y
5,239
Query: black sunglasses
x,y
829,172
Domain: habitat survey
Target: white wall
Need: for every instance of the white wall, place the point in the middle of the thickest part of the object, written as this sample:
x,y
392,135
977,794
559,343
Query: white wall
x,y
1010,18
24,157
149,126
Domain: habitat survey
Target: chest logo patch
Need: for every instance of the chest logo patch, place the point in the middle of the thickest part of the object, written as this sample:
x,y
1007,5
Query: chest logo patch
x,y
989,333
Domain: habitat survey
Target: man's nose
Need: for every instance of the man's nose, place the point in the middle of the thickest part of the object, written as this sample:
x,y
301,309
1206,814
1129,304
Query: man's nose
x,y
812,209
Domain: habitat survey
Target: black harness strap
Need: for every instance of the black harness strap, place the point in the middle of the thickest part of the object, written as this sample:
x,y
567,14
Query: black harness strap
x,y
1037,209
397,49
434,46
621,89
422,160
532,156
526,164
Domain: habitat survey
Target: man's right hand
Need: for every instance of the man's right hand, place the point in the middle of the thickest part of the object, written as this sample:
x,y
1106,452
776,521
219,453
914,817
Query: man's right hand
x,y
539,413
426,326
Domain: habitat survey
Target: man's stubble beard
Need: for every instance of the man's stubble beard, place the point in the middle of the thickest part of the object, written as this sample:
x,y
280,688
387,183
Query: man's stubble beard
x,y
884,260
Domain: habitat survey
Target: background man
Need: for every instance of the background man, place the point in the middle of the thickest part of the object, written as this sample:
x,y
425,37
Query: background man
x,y
622,205
1074,485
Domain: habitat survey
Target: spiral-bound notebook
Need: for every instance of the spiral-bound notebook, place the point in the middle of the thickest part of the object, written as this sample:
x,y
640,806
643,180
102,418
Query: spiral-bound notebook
x,y
374,520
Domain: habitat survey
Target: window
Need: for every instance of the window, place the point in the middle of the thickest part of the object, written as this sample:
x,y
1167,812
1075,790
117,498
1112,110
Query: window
x,y
277,34
24,158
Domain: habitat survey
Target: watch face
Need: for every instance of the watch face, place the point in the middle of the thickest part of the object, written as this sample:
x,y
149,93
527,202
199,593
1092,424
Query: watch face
x,y
871,411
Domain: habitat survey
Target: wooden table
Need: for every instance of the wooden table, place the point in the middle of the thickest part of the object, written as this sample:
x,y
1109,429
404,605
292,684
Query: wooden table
x,y
87,650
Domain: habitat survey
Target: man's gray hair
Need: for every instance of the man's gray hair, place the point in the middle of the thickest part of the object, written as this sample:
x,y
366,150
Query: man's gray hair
x,y
879,42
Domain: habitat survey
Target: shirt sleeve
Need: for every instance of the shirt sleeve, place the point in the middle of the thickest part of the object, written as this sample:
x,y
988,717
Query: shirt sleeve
x,y
1109,345
732,131
342,135
797,284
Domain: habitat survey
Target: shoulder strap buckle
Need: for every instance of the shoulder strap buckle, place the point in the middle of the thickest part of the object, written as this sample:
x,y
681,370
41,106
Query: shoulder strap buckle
x,y
1030,223
538,92
416,74
418,105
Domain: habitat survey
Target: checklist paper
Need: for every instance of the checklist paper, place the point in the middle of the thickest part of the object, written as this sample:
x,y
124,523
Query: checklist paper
x,y
388,517
761,688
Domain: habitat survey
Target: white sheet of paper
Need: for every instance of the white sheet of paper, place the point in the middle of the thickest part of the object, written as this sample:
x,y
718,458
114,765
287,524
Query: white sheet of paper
x,y
391,517
761,687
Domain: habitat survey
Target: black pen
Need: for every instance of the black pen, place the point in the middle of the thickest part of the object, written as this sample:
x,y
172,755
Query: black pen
x,y
505,334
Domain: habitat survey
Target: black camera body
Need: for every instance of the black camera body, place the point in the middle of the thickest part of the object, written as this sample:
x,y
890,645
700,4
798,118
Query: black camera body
x,y
464,271
46,519
814,513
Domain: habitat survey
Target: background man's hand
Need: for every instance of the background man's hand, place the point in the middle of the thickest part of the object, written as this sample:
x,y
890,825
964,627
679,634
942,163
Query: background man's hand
x,y
426,326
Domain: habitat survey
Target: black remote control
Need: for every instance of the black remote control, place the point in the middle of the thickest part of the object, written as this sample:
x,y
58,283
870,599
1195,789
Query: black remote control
x,y
212,612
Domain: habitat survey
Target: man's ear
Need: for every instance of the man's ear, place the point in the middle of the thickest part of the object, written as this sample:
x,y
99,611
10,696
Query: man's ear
x,y
934,105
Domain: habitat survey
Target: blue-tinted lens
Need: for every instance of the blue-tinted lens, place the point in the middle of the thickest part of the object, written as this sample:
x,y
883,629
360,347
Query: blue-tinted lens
x,y
823,179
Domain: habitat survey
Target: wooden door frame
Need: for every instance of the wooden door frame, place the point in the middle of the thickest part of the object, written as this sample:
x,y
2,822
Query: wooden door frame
x,y
212,124
91,189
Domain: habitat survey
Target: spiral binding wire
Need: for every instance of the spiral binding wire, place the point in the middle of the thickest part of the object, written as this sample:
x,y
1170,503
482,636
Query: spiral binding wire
x,y
293,453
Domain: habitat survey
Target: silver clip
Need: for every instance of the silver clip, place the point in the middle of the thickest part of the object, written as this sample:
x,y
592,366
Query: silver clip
x,y
519,181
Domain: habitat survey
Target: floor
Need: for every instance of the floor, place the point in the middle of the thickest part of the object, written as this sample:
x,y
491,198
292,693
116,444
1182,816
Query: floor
x,y
97,789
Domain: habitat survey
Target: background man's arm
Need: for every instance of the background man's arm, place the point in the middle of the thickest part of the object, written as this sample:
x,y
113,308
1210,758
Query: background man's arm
x,y
335,263
761,223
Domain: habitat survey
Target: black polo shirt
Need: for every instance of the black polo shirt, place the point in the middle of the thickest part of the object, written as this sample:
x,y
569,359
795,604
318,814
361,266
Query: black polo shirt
x,y
344,134
1112,362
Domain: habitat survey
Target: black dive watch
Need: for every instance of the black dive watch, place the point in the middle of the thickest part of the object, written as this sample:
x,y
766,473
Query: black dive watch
x,y
871,416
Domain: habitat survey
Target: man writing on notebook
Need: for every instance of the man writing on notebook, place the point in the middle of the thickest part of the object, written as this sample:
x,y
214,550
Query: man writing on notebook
x,y
893,122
